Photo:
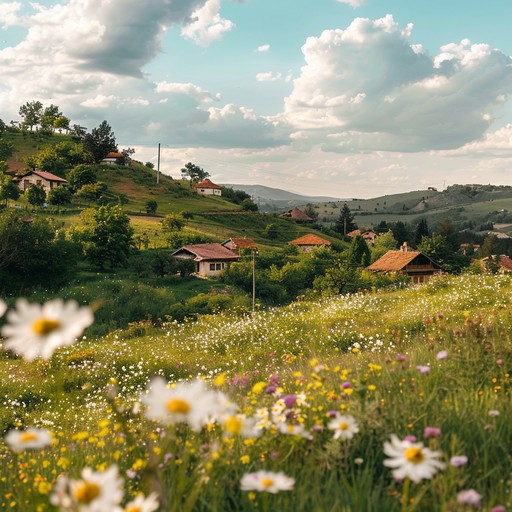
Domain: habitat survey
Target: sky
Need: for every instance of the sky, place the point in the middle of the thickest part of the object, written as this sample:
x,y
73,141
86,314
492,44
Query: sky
x,y
344,98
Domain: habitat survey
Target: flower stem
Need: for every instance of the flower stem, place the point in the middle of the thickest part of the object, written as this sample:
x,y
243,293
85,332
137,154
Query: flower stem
x,y
405,494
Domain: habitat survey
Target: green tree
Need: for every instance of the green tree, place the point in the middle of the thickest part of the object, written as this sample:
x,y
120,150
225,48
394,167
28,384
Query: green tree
x,y
8,189
421,231
58,196
100,141
248,205
173,222
36,195
401,232
106,236
32,113
61,123
383,243
81,175
311,211
490,246
358,253
345,222
49,116
58,158
6,150
151,207
91,191
194,173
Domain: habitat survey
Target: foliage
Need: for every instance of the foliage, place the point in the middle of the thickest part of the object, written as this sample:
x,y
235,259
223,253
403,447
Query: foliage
x,y
383,243
8,188
31,112
100,141
234,196
6,150
438,249
358,253
58,158
36,195
345,222
177,239
106,236
151,207
248,205
194,173
82,175
173,222
421,231
91,191
59,196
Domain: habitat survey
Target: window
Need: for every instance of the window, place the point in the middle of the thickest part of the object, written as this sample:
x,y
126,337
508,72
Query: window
x,y
216,266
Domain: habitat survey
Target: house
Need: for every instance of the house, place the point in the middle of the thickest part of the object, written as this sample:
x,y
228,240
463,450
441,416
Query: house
x,y
368,236
211,259
502,262
297,215
44,179
207,188
240,245
114,158
419,267
469,248
308,242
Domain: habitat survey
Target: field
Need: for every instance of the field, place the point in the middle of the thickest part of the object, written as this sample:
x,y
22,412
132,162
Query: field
x,y
314,390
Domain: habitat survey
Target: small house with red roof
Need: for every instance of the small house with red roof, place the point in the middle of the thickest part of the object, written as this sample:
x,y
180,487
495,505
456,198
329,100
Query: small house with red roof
x,y
502,263
240,245
211,259
297,215
43,179
308,242
419,267
207,188
114,158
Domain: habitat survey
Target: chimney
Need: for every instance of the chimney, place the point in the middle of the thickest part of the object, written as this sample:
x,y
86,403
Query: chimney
x,y
404,247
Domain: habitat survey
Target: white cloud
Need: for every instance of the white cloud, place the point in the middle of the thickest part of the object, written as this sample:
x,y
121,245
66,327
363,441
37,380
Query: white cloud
x,y
353,3
263,48
370,89
9,14
268,77
188,89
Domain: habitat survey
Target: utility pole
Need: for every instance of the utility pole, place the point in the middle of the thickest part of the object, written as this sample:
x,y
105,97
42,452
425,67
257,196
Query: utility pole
x,y
253,280
158,166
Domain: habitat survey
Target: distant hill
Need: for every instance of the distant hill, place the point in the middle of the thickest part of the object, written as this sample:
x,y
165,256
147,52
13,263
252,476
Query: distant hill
x,y
276,199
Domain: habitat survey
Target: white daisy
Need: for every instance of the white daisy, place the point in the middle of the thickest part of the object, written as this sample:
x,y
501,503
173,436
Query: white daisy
x,y
94,492
142,504
411,460
189,402
35,330
293,429
32,438
344,426
3,307
266,481
240,425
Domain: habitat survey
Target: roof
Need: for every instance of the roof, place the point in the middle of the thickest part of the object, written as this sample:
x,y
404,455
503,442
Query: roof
x,y
502,261
48,176
207,184
310,239
296,214
212,251
393,261
242,243
114,154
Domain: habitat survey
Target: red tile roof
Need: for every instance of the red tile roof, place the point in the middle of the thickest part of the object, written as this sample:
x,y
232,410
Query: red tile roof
x,y
505,263
393,261
242,243
48,176
310,239
114,154
296,214
213,251
207,184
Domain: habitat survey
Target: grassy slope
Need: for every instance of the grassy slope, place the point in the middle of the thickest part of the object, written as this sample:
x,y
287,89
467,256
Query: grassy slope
x,y
312,347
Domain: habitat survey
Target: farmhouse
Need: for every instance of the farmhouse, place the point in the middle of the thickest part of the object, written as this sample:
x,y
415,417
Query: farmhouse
x,y
240,245
308,242
419,267
368,236
207,188
44,179
114,158
211,259
297,215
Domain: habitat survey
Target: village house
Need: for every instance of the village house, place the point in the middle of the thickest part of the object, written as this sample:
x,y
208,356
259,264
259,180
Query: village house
x,y
43,179
297,215
419,267
368,236
502,263
207,188
240,245
114,158
308,242
211,259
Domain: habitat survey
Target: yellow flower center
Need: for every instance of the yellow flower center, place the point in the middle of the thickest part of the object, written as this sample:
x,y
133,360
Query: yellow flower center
x,y
45,326
178,405
343,425
26,437
267,482
233,425
133,509
414,455
87,492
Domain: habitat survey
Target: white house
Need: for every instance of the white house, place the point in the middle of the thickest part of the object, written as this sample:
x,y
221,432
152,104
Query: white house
x,y
207,188
114,158
44,179
211,259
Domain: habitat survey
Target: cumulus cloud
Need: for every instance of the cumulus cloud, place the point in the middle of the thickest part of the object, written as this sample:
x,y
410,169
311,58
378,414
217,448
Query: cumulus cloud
x,y
353,3
268,77
9,14
367,88
263,48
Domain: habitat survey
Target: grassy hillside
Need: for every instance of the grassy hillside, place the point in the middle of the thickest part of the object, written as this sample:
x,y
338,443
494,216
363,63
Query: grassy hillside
x,y
328,384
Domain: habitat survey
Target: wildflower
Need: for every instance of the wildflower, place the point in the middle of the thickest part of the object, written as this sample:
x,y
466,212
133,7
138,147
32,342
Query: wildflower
x,y
344,426
411,460
411,439
143,504
267,481
498,508
458,461
358,461
189,402
240,425
36,438
289,400
431,432
469,497
3,307
443,354
94,492
423,369
400,357
494,414
293,430
36,331
270,389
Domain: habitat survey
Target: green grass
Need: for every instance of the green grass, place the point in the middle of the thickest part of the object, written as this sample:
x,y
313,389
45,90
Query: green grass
x,y
373,341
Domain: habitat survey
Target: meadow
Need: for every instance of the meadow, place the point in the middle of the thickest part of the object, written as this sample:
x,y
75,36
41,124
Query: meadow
x,y
383,401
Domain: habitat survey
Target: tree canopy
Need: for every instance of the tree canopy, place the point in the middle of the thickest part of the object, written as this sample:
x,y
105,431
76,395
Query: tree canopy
x,y
194,173
345,222
100,142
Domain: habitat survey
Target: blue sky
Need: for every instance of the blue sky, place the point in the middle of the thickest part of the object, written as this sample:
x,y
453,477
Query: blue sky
x,y
354,98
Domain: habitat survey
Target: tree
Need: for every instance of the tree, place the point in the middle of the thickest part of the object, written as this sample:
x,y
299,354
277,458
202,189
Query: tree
x,y
150,165
358,253
421,231
49,116
6,150
401,232
58,196
31,112
345,222
100,141
81,175
57,158
91,191
8,189
106,236
151,207
383,243
311,211
490,246
194,173
173,222
61,123
36,195
248,205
